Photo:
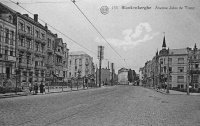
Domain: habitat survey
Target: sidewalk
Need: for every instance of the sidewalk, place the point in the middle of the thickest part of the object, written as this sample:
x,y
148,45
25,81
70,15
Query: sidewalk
x,y
52,90
173,92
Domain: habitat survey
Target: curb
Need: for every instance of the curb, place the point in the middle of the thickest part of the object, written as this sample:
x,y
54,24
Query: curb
x,y
28,94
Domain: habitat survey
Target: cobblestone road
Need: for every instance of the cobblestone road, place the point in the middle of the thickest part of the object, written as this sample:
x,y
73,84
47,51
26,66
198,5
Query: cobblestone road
x,y
112,106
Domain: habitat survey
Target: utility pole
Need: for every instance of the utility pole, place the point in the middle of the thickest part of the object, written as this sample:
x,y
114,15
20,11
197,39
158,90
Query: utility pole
x,y
188,74
168,72
112,67
100,57
96,74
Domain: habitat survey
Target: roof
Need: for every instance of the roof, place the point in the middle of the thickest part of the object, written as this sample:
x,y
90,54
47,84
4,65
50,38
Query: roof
x,y
178,51
78,53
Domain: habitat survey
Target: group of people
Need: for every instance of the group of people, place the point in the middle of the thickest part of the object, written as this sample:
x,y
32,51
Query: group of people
x,y
35,88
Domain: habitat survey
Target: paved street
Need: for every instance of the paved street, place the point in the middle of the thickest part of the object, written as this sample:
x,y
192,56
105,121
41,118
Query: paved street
x,y
110,106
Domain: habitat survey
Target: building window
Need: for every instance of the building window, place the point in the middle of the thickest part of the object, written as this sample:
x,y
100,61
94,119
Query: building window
x,y
36,63
7,36
70,62
195,78
0,49
49,43
21,26
28,29
180,60
28,43
28,59
37,46
1,32
12,38
20,58
180,69
69,74
170,60
196,66
170,78
6,50
161,61
42,47
37,73
21,43
43,36
37,34
75,61
11,52
180,79
80,62
165,68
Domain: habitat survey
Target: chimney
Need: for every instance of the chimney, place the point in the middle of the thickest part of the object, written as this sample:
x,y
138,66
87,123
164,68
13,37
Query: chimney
x,y
56,35
36,17
25,15
46,26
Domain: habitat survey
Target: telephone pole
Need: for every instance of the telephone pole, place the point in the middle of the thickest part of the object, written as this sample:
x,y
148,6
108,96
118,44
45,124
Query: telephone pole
x,y
112,67
100,57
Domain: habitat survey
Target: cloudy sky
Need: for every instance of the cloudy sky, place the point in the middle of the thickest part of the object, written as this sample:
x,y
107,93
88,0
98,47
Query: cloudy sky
x,y
135,34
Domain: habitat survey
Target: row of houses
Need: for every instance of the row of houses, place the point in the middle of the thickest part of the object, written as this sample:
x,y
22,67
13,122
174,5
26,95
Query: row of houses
x,y
178,67
31,53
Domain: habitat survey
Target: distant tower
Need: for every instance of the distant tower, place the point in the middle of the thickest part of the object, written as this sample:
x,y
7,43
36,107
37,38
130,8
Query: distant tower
x,y
164,51
164,43
195,47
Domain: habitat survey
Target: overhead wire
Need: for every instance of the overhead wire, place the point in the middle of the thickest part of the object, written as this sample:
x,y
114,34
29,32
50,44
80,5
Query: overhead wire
x,y
98,31
55,28
17,3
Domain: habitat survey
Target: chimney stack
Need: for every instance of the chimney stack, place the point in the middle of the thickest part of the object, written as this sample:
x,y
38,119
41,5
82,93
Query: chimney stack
x,y
46,26
25,15
36,17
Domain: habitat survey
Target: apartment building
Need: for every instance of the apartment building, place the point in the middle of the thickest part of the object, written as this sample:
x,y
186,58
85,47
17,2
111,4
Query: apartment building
x,y
40,53
81,64
194,68
123,76
179,67
7,50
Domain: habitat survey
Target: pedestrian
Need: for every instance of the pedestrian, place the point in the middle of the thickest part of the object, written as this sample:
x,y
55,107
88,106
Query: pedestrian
x,y
44,89
41,88
30,87
36,88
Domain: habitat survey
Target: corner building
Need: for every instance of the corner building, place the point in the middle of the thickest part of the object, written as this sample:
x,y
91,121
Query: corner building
x,y
7,49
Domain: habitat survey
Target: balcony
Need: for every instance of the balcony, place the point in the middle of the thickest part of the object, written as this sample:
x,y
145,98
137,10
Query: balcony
x,y
40,53
40,40
49,50
4,57
195,71
86,63
40,67
59,64
21,32
59,53
29,35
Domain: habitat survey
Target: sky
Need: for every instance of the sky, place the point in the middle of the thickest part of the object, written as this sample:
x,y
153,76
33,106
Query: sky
x,y
135,34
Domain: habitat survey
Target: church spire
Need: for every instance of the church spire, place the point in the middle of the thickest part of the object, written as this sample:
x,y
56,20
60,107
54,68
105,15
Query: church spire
x,y
157,52
164,43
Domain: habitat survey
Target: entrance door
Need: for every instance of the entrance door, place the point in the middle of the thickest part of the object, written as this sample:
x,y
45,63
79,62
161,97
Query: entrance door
x,y
7,72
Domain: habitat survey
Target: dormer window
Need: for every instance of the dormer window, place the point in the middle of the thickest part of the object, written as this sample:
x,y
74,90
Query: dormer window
x,y
10,18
